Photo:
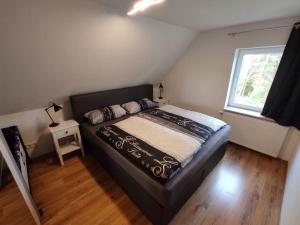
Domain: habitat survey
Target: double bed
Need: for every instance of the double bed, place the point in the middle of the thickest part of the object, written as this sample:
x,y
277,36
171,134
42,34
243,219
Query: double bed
x,y
159,199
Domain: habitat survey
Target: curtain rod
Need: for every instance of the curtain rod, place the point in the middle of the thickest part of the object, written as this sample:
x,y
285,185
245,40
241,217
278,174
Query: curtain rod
x,y
233,34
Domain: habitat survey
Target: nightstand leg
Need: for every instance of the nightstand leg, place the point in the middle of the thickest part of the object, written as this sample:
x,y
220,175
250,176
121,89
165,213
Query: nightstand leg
x,y
78,137
58,152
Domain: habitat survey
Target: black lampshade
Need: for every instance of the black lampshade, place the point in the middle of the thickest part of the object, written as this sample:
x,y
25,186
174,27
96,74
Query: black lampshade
x,y
161,88
56,107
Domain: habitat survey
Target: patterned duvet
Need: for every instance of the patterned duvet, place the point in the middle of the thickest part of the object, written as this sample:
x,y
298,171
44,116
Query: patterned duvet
x,y
161,141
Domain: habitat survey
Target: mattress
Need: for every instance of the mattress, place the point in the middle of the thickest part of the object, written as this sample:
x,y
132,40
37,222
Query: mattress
x,y
167,193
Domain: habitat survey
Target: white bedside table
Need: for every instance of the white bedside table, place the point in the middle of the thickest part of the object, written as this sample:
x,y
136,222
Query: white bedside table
x,y
162,101
65,129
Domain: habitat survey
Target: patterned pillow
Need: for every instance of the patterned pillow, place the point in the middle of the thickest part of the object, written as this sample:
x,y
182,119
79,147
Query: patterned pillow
x,y
105,114
132,107
146,103
138,105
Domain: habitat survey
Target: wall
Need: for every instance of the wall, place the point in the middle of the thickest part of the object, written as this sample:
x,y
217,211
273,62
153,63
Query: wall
x,y
33,127
200,80
291,200
52,49
290,144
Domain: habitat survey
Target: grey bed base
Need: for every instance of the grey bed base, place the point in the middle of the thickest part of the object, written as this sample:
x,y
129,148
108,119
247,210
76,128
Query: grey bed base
x,y
159,210
154,211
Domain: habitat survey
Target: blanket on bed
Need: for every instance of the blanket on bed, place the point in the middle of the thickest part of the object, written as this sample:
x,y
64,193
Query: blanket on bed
x,y
152,161
160,141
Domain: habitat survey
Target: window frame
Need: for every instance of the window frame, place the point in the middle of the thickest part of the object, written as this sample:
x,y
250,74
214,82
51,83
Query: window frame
x,y
235,73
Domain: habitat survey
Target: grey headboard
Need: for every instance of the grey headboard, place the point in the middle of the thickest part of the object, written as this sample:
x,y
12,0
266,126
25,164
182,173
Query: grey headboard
x,y
83,103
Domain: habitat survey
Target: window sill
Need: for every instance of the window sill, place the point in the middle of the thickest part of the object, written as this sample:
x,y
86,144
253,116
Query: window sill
x,y
245,112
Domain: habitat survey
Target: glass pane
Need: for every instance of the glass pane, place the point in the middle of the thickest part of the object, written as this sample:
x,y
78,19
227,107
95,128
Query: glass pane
x,y
255,79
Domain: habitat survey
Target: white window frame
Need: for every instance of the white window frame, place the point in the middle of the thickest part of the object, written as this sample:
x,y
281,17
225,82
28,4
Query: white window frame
x,y
235,72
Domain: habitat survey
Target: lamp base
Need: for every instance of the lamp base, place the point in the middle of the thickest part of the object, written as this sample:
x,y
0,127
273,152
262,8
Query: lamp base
x,y
53,124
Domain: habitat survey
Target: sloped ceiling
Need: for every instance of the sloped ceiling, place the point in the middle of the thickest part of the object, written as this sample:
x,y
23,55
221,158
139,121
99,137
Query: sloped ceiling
x,y
52,49
210,14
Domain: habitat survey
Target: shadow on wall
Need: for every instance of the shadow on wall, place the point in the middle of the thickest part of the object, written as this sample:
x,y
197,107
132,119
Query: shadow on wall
x,y
44,143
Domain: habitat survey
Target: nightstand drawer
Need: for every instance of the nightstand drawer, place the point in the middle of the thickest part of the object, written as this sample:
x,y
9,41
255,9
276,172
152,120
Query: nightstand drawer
x,y
66,132
162,103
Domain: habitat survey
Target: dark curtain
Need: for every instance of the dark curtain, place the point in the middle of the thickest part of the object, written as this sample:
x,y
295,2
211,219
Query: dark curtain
x,y
283,101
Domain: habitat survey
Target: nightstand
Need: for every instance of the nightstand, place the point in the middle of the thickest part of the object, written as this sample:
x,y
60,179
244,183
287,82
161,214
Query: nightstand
x,y
65,130
161,101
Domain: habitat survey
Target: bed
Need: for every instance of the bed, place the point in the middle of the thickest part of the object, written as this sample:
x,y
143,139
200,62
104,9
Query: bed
x,y
159,201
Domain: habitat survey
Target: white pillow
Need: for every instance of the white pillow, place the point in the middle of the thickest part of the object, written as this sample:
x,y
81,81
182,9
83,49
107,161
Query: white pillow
x,y
131,107
118,111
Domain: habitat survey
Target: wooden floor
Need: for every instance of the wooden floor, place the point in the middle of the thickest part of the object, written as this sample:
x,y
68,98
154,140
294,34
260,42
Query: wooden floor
x,y
245,188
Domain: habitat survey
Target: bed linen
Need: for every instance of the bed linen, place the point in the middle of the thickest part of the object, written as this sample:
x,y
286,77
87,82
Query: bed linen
x,y
161,141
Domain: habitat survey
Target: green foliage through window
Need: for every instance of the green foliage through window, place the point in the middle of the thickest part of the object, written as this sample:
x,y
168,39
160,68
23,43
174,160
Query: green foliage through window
x,y
254,75
254,86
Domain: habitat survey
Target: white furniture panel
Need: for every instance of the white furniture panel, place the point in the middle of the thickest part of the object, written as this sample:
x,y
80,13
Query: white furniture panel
x,y
65,129
161,101
19,179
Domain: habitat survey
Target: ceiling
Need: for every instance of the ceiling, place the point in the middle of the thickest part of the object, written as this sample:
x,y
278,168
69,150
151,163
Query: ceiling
x,y
210,14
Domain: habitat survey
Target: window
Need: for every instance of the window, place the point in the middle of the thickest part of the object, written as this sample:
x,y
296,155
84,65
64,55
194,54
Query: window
x,y
252,76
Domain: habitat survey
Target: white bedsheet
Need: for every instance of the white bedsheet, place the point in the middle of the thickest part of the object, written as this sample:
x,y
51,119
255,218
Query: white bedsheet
x,y
176,144
209,121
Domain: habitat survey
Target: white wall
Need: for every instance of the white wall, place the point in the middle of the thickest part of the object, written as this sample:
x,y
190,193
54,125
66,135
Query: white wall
x,y
291,201
33,126
290,144
200,80
52,49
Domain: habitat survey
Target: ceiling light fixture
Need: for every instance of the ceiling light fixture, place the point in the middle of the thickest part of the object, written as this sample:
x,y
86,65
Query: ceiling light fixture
x,y
141,5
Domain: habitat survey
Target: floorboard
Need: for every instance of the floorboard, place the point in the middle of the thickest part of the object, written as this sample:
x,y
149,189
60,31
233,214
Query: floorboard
x,y
245,188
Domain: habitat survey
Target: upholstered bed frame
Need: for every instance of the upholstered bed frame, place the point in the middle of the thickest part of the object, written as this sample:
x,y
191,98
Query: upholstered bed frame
x,y
158,202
